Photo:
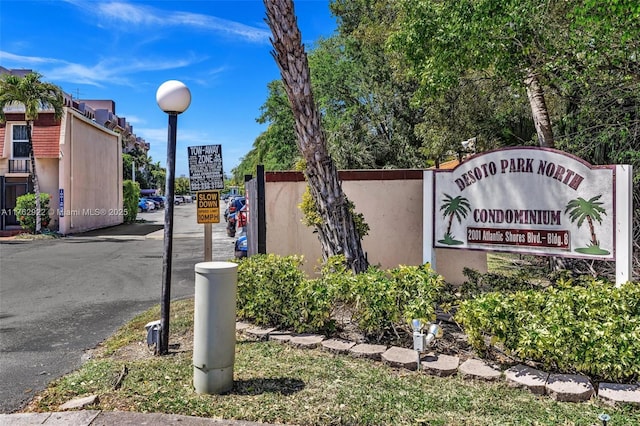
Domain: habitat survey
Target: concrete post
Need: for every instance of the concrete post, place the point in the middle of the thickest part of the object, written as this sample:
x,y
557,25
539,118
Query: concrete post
x,y
214,329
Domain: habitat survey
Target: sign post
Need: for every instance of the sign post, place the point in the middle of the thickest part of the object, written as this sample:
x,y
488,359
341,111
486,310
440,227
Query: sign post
x,y
206,178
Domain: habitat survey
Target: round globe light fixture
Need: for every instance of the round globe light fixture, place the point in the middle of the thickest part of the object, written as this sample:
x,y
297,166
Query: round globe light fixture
x,y
173,97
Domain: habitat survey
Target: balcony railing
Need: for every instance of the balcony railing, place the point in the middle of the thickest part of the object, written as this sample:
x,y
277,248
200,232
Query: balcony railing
x,y
19,166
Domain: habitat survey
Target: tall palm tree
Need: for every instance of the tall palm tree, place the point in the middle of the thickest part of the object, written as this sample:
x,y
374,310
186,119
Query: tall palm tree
x,y
337,231
35,96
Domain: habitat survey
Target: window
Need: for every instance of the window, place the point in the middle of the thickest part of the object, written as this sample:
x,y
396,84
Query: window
x,y
20,141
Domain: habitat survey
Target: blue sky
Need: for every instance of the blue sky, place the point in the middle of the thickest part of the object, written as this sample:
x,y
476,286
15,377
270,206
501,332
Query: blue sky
x,y
124,50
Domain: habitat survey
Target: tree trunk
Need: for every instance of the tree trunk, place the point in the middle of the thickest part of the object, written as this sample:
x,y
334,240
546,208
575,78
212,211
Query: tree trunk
x,y
539,110
34,178
337,233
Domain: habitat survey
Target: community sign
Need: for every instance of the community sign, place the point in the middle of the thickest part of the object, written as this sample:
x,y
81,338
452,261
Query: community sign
x,y
529,200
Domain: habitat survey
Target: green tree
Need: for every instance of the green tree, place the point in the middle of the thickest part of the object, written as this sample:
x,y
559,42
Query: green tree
x,y
446,40
365,96
35,96
275,148
183,186
337,233
159,176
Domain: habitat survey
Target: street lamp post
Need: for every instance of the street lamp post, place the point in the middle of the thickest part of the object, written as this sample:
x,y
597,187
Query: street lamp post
x,y
173,97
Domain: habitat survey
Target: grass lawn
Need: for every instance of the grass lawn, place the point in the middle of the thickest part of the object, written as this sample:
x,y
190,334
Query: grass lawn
x,y
277,383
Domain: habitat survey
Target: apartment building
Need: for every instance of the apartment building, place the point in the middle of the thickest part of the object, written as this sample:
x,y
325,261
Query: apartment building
x,y
78,161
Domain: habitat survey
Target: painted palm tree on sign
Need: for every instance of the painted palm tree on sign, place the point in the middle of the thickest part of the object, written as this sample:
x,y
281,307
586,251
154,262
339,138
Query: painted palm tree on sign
x,y
590,210
34,95
451,207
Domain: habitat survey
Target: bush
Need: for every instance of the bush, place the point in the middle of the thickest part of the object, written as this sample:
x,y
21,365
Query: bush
x,y
25,211
272,290
268,290
131,196
385,300
590,327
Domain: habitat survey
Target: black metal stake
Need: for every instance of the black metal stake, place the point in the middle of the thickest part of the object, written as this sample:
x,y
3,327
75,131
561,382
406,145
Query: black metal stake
x,y
168,235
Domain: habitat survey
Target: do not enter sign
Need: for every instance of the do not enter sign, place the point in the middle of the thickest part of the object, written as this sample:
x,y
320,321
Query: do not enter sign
x,y
208,203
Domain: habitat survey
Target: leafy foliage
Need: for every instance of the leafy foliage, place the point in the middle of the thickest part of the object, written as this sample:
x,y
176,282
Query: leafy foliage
x,y
26,211
131,195
183,186
273,291
367,107
589,327
148,174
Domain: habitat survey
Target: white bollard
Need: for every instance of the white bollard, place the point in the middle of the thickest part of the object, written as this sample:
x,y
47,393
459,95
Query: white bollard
x,y
214,326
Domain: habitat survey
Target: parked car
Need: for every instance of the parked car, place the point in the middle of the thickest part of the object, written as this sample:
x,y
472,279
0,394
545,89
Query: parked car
x,y
187,198
240,247
143,206
155,204
234,204
160,201
178,199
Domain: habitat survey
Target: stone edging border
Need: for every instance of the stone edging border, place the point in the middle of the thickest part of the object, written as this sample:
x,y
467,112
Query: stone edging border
x,y
561,387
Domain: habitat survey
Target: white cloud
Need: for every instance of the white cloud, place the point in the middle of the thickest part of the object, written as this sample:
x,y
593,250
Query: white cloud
x,y
107,71
127,15
26,60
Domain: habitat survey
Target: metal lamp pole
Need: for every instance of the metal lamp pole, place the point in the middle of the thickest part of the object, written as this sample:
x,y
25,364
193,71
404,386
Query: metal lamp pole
x,y
174,98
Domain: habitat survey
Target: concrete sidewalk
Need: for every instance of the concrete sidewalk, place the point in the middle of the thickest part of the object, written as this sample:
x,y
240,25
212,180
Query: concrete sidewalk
x,y
109,418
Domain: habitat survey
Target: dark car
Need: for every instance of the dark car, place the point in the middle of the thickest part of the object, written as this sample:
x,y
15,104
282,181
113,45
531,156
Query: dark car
x,y
156,204
158,200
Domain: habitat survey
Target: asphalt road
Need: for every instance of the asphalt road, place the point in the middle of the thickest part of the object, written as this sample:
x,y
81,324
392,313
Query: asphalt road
x,y
60,297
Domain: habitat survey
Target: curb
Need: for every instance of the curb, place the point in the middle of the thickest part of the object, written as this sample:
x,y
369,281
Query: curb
x,y
561,387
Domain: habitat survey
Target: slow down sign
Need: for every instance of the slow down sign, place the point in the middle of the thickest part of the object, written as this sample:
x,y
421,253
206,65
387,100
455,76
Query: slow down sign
x,y
208,203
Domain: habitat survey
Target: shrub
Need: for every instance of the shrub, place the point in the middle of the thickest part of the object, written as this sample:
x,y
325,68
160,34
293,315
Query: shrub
x,y
384,300
131,196
272,290
591,327
25,211
269,291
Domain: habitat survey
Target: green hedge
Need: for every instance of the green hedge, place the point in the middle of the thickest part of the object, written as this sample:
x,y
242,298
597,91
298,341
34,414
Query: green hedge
x,y
586,327
272,290
131,196
25,211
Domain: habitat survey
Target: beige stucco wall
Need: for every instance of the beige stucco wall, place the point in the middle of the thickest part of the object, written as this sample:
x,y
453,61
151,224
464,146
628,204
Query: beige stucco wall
x,y
392,208
90,173
47,169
